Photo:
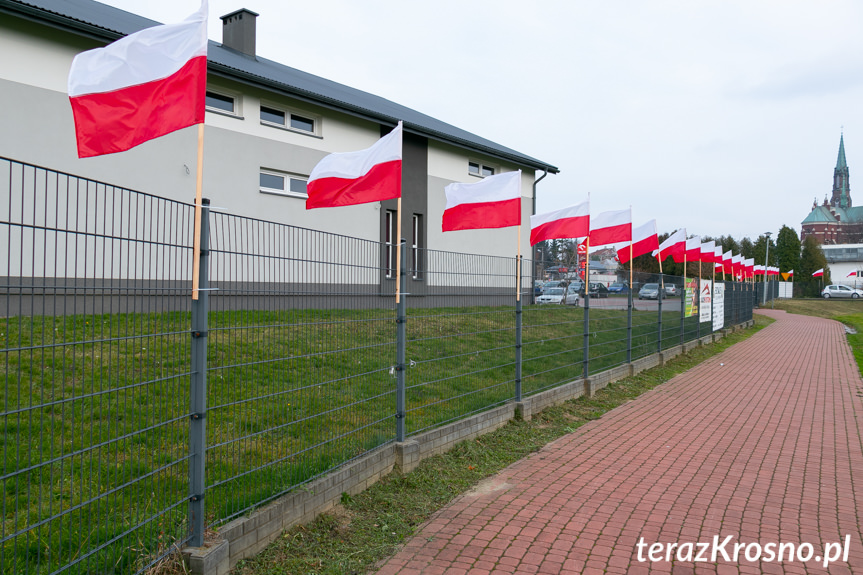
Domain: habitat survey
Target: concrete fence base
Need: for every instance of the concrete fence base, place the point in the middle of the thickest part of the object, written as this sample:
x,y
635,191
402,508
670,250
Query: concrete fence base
x,y
247,536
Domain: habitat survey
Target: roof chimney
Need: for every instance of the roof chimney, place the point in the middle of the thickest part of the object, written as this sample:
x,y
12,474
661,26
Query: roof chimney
x,y
238,31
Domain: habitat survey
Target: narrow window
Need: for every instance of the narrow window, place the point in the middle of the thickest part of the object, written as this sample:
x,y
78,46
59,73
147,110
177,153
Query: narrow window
x,y
486,171
272,116
416,240
283,184
473,168
390,236
220,102
302,123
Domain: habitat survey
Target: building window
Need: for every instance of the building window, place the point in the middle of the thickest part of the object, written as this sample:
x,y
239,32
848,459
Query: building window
x,y
272,116
221,102
275,116
390,232
416,246
302,123
283,184
478,169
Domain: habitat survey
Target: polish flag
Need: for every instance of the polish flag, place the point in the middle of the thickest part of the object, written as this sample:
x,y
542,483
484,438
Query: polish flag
x,y
818,273
717,255
644,241
611,228
571,222
493,202
692,250
143,86
674,244
748,266
350,178
736,264
707,250
791,273
852,274
759,270
726,262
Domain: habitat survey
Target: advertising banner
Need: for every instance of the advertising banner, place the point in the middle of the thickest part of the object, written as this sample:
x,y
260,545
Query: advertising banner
x,y
691,297
718,306
706,295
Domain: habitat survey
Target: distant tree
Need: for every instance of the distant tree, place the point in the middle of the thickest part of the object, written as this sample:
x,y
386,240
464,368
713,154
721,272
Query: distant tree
x,y
787,249
759,250
747,248
728,243
811,259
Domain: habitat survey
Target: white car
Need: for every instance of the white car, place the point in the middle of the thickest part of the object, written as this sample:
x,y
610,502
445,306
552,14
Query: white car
x,y
571,297
552,295
840,291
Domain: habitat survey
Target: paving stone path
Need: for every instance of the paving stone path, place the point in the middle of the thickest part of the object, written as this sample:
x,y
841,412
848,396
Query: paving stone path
x,y
761,443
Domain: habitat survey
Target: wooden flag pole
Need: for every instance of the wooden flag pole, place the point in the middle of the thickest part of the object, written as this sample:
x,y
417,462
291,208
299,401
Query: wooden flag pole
x,y
399,249
199,185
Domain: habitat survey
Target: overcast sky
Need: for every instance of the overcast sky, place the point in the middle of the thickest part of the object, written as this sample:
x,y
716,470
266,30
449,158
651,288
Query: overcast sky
x,y
721,116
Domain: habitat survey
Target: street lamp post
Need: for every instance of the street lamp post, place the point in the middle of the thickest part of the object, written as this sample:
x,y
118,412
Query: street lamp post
x,y
766,254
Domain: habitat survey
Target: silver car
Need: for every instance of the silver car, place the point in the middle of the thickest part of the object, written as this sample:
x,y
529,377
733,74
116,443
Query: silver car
x,y
650,291
840,291
572,294
552,295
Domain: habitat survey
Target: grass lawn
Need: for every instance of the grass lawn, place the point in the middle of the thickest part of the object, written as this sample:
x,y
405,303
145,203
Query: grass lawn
x,y
371,526
95,408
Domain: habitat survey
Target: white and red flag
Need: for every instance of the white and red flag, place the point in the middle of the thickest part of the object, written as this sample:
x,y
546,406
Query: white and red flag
x,y
748,266
571,222
350,178
644,241
791,273
726,262
707,251
717,255
692,251
493,202
758,270
852,274
818,273
611,227
673,245
142,86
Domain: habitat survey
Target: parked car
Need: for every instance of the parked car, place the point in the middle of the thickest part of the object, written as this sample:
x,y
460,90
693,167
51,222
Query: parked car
x,y
598,290
618,287
552,295
840,291
650,291
572,296
553,284
672,290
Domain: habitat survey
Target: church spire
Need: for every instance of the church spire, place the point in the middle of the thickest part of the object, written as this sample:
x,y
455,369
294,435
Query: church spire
x,y
840,160
841,185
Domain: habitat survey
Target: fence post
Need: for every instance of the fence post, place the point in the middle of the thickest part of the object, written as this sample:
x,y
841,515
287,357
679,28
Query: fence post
x,y
401,345
198,388
659,299
683,309
697,299
518,316
629,326
586,346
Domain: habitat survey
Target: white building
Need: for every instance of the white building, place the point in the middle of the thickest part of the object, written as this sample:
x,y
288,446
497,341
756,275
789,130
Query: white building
x,y
267,125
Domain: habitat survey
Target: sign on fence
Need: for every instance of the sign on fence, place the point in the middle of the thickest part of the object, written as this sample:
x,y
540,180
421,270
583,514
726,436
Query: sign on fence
x,y
705,297
718,306
691,301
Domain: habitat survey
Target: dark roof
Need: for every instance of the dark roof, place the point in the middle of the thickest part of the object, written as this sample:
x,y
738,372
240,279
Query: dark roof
x,y
107,23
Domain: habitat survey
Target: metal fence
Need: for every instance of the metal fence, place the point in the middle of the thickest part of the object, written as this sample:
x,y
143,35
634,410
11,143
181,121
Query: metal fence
x,y
126,407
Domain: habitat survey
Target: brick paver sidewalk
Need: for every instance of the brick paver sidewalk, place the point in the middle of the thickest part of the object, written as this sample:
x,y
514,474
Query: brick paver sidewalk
x,y
761,442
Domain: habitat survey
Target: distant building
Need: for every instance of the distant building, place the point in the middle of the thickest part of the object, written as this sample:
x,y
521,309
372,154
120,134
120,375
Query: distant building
x,y
836,221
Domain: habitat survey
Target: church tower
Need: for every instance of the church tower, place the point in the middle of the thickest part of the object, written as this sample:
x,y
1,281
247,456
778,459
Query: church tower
x,y
841,187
